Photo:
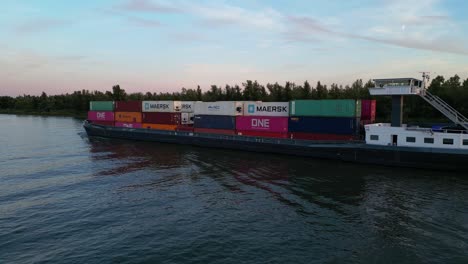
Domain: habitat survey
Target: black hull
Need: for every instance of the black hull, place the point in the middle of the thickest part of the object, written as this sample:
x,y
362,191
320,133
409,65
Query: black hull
x,y
358,152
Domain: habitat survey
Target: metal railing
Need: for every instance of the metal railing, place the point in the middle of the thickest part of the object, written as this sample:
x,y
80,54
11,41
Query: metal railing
x,y
443,107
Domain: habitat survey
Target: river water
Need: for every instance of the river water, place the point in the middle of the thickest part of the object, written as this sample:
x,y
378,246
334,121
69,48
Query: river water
x,y
66,198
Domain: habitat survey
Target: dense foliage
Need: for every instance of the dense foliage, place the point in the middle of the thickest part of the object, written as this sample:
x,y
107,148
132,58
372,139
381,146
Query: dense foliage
x,y
453,90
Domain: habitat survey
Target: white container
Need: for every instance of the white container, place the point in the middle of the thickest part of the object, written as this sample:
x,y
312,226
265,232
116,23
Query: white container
x,y
162,106
266,109
225,108
187,106
187,118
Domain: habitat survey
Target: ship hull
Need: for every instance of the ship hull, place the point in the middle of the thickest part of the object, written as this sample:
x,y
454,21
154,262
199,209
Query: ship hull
x,y
358,152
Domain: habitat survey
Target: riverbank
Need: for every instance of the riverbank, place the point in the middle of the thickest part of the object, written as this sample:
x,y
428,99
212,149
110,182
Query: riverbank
x,y
63,113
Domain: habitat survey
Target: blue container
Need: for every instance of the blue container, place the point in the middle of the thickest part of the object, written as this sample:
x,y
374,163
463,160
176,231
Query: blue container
x,y
215,122
324,125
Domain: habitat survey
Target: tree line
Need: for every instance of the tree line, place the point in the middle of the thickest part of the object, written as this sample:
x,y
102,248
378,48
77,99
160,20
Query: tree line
x,y
454,90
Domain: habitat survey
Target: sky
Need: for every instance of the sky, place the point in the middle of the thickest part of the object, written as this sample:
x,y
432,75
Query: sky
x,y
161,46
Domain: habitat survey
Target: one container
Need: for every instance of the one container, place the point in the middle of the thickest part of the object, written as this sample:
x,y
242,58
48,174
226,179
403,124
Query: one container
x,y
128,106
161,106
184,128
326,108
101,115
262,134
128,117
162,118
187,118
101,106
262,123
368,108
160,126
266,109
187,106
215,131
215,122
103,123
128,125
219,108
315,136
324,125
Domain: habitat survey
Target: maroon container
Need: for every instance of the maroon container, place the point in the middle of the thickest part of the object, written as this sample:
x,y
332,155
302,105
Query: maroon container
x,y
368,110
184,128
130,106
103,123
162,118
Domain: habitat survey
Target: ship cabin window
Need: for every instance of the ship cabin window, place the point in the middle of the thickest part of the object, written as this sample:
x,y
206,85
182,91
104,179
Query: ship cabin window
x,y
447,141
429,140
465,142
374,137
411,139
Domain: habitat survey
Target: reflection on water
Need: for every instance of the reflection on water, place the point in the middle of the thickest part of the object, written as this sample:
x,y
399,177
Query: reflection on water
x,y
65,197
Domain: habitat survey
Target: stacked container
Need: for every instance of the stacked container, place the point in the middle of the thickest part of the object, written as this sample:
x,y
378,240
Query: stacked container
x,y
368,108
263,119
166,115
217,117
128,114
101,112
324,119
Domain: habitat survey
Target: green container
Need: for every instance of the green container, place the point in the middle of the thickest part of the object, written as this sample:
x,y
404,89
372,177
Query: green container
x,y
101,106
326,108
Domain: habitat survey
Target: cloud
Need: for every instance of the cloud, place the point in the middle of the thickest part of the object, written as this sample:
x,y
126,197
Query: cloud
x,y
148,6
40,25
143,22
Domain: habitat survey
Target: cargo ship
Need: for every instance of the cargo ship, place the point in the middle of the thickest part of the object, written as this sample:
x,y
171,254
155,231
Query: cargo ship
x,y
393,144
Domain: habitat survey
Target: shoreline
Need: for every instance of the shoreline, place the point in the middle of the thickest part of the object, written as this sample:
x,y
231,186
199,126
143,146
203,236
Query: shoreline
x,y
38,113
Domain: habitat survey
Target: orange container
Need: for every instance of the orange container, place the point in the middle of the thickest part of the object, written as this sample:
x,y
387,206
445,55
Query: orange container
x,y
128,117
159,126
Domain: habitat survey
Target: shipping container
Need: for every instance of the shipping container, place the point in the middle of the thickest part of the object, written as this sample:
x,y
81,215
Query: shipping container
x,y
266,109
262,123
160,126
368,108
101,106
187,106
103,123
184,128
128,106
326,108
325,125
101,115
162,118
262,134
162,106
128,117
128,125
215,122
315,136
219,108
187,118
214,131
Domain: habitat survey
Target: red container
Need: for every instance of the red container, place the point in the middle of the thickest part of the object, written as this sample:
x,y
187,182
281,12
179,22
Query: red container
x,y
128,125
162,118
262,134
215,131
103,123
262,123
184,128
130,106
100,115
368,110
311,136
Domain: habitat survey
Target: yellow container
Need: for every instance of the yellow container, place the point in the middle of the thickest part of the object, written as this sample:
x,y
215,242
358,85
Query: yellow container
x,y
159,126
132,117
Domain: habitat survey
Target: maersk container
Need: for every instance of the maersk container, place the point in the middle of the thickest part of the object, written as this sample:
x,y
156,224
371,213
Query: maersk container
x,y
162,106
187,106
324,125
368,109
101,106
128,106
215,122
266,109
219,108
128,125
326,108
262,123
187,118
162,118
101,115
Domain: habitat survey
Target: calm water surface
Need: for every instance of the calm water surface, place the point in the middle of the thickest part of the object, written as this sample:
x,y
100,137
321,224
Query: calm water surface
x,y
65,198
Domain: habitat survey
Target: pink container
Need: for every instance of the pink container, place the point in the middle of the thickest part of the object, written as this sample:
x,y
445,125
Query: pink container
x,y
262,123
128,125
100,115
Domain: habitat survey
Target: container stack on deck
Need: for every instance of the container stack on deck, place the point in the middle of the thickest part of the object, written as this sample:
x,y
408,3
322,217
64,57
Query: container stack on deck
x,y
324,119
161,115
217,117
128,114
101,112
262,119
368,110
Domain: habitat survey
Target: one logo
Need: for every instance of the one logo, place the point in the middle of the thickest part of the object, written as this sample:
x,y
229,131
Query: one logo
x,y
101,115
251,109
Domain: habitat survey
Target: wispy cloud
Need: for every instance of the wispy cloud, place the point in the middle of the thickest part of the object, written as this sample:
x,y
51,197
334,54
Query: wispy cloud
x,y
40,25
143,22
148,6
